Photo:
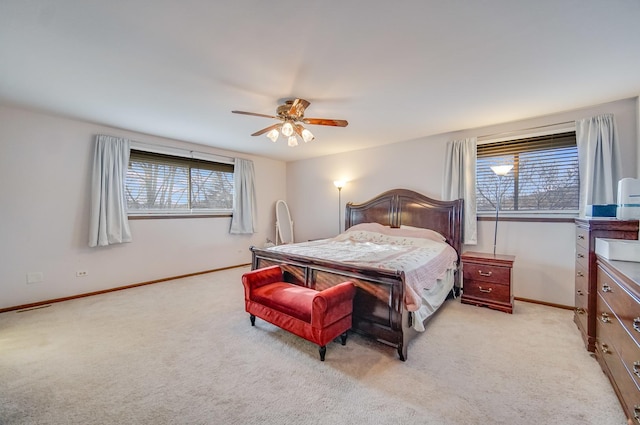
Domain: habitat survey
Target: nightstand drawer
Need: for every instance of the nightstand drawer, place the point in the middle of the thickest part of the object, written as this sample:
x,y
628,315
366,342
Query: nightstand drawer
x,y
487,273
487,291
487,280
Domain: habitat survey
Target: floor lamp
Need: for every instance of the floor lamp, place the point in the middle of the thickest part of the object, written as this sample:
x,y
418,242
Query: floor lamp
x,y
339,184
501,171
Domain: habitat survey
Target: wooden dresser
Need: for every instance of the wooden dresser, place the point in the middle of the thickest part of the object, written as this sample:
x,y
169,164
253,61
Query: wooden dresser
x,y
618,330
487,280
587,230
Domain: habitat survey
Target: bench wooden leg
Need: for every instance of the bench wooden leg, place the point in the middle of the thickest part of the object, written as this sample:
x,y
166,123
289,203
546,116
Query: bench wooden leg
x,y
253,319
343,338
323,351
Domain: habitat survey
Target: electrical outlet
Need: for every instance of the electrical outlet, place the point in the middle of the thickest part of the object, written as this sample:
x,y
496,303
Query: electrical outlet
x,y
81,273
35,277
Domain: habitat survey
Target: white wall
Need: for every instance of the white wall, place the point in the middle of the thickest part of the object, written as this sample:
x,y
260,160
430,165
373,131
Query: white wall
x,y
45,166
544,267
44,192
638,135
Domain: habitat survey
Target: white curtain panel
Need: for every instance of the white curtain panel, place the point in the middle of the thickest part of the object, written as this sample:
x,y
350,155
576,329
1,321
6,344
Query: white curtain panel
x,y
460,182
108,223
599,160
244,201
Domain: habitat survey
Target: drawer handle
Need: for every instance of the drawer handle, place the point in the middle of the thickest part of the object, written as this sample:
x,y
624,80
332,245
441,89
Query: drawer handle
x,y
580,255
606,288
604,318
579,292
605,349
486,291
580,274
485,274
636,324
580,310
581,237
636,413
636,368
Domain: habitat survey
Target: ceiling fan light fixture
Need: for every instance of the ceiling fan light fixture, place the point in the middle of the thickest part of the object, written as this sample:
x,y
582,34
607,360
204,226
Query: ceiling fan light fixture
x,y
307,136
287,129
291,115
273,135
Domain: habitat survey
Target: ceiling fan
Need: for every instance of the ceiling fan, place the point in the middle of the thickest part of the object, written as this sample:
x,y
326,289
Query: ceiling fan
x,y
291,115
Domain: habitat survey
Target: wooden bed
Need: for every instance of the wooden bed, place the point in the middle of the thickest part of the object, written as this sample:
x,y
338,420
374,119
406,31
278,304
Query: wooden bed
x,y
378,307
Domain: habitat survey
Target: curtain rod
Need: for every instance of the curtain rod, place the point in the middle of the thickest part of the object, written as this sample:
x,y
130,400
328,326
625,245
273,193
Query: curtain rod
x,y
525,129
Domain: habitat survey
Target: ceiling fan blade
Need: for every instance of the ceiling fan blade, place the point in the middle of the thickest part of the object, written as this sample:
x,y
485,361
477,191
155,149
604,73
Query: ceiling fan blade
x,y
326,121
266,130
298,107
254,114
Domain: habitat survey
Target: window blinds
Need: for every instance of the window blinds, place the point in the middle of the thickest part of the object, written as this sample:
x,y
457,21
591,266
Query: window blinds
x,y
544,176
158,183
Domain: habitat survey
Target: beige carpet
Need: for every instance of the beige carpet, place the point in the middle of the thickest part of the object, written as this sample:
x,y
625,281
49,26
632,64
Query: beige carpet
x,y
183,352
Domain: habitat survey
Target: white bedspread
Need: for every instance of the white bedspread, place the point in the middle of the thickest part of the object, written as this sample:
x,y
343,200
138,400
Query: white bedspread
x,y
422,255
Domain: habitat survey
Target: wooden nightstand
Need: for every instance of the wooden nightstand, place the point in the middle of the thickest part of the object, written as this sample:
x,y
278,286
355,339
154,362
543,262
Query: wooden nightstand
x,y
487,280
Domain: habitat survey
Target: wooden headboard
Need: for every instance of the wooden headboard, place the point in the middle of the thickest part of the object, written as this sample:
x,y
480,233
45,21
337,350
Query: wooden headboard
x,y
405,207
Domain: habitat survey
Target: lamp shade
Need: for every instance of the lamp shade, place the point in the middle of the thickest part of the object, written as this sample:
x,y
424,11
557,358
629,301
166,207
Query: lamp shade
x,y
501,170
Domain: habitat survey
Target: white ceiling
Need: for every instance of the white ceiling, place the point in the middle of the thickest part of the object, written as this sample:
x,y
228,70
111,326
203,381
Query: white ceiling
x,y
396,70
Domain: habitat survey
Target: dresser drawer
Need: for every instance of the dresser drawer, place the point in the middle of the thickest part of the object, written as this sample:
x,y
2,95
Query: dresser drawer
x,y
625,307
620,372
582,297
582,256
487,273
624,385
608,327
580,314
629,353
487,291
582,281
612,334
582,238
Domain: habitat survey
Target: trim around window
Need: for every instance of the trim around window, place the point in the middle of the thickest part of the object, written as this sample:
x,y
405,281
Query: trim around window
x,y
564,217
169,216
544,180
163,186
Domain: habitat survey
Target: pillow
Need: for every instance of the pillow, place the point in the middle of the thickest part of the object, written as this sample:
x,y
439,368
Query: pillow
x,y
425,233
407,231
368,227
403,226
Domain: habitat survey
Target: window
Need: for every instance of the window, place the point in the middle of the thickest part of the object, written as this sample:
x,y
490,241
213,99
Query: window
x,y
544,178
166,185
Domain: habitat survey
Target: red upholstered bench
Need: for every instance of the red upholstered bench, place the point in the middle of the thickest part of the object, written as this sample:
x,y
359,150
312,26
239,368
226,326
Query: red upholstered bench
x,y
317,316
